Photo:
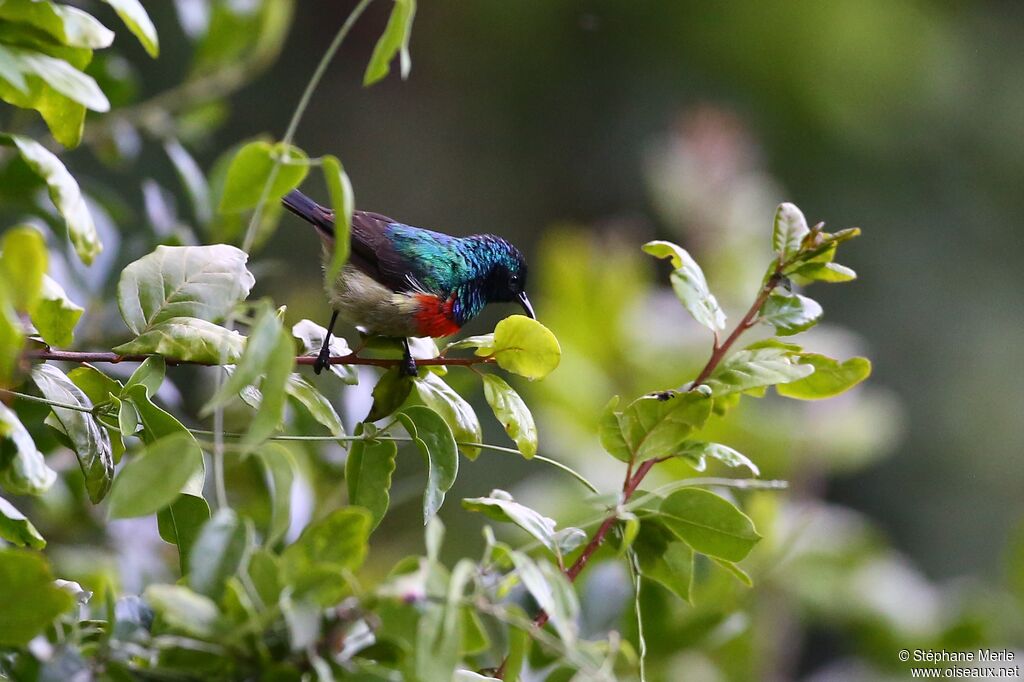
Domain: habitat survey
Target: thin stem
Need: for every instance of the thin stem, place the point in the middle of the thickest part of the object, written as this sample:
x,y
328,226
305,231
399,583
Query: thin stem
x,y
45,401
350,359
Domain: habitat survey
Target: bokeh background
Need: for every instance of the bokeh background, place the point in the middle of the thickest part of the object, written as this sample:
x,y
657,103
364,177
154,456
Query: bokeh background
x,y
582,129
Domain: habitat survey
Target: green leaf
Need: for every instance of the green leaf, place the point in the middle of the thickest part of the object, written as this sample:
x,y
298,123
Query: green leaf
x,y
311,336
368,472
790,313
100,388
609,431
393,41
54,314
513,414
67,25
830,377
138,22
260,350
253,166
23,262
656,425
339,539
484,342
154,478
150,373
23,470
754,368
63,78
10,71
280,468
277,369
665,560
823,272
315,403
64,192
30,597
708,523
389,393
439,631
696,452
690,285
217,554
184,610
88,439
524,347
342,203
16,529
180,523
187,338
735,571
500,506
788,230
552,591
453,408
203,282
433,437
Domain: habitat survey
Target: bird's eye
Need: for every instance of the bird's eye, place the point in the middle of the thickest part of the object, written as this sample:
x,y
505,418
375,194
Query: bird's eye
x,y
514,279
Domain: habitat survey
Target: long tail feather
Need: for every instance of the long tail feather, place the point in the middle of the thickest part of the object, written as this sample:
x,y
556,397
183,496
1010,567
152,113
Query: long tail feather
x,y
318,216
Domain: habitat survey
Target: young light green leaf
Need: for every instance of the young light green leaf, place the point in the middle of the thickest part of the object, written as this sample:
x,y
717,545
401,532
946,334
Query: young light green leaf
x,y
23,470
217,554
311,336
394,40
822,272
187,338
656,425
790,313
63,78
552,591
788,230
202,282
453,408
315,403
513,414
134,16
697,451
368,472
280,469
252,168
155,477
524,346
435,441
16,529
54,314
754,368
64,192
30,597
708,523
830,377
690,285
88,438
23,261
500,506
67,25
184,610
180,522
342,203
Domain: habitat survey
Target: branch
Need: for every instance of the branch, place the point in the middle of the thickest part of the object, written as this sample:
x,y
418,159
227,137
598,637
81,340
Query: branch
x,y
350,359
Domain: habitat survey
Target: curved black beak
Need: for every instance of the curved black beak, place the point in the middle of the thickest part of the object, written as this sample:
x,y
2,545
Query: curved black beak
x,y
525,302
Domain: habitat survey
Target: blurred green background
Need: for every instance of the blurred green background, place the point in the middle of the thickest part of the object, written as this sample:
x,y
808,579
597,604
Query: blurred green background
x,y
582,129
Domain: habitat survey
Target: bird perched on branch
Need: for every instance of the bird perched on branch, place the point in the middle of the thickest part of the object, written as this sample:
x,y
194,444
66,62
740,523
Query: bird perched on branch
x,y
403,281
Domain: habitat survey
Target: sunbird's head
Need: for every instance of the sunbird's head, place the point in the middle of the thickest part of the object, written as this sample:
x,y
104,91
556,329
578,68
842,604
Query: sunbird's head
x,y
504,278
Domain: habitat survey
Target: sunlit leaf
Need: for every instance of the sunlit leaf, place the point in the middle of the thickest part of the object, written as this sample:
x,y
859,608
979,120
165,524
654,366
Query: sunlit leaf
x,y
697,451
754,368
830,377
23,470
368,472
23,261
252,168
311,335
788,230
134,16
187,338
67,25
513,414
708,523
64,192
30,597
88,438
790,313
202,282
16,529
525,347
54,315
433,437
823,272
393,41
690,285
656,425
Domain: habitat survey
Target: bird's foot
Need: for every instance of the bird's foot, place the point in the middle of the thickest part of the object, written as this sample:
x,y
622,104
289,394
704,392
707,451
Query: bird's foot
x,y
323,360
408,367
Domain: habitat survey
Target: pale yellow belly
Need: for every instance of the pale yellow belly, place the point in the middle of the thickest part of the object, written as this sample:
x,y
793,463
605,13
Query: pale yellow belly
x,y
364,302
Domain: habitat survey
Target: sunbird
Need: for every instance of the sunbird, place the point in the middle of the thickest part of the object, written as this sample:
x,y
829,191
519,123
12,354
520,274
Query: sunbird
x,y
403,281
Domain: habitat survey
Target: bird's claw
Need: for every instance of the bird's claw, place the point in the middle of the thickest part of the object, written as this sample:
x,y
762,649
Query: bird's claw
x,y
323,360
408,367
